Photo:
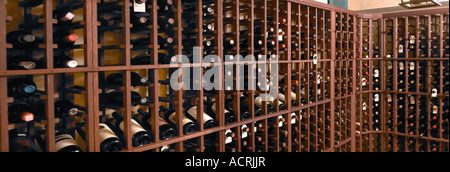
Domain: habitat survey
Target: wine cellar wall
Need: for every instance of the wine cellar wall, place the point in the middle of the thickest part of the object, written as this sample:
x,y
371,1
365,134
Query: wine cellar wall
x,y
95,76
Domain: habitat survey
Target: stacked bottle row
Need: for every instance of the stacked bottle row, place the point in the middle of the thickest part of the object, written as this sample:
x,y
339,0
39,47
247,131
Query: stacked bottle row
x,y
416,113
424,36
38,103
27,44
344,80
124,100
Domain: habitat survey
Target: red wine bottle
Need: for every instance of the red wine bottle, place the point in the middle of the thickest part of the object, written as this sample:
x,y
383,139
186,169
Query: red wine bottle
x,y
65,40
20,112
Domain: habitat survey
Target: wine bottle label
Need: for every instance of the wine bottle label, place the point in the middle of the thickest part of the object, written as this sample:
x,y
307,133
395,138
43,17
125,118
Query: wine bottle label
x,y
293,120
364,106
401,66
229,139
258,102
390,65
213,107
69,16
389,98
400,49
193,113
105,133
280,122
412,66
139,7
280,36
164,148
412,39
376,73
376,97
412,100
63,141
434,92
135,127
184,120
244,133
162,121
315,59
435,110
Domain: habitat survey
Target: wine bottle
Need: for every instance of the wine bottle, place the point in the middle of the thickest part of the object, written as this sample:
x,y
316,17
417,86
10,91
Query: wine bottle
x,y
65,40
115,98
21,142
169,115
166,131
64,142
140,136
60,61
140,20
139,5
143,59
65,108
401,51
64,16
21,39
210,108
64,61
21,63
412,42
208,122
21,88
109,142
19,112
116,79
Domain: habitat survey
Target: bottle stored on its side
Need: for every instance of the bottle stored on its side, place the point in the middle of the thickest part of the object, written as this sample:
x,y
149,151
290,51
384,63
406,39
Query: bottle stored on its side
x,y
64,142
208,122
109,142
115,98
210,108
21,88
65,108
116,79
21,63
61,61
21,39
169,115
19,112
140,136
166,131
21,142
65,40
64,16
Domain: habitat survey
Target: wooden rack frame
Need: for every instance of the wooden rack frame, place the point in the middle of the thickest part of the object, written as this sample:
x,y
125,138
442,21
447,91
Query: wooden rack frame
x,y
331,121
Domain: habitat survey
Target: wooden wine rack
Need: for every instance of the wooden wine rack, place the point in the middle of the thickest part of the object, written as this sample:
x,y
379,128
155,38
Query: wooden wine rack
x,y
333,120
